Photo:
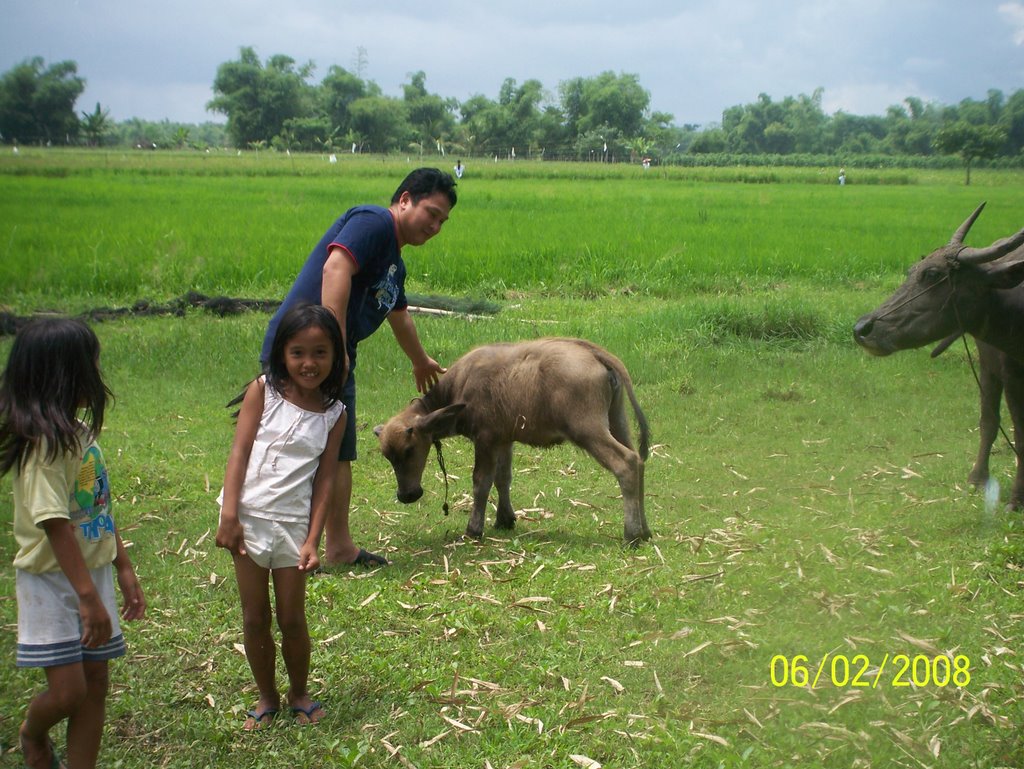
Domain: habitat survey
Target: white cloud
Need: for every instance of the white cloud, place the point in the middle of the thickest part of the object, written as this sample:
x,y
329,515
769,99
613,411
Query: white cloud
x,y
1014,14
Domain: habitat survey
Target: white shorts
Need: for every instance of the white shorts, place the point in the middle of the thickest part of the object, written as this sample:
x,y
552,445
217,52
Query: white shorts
x,y
49,625
273,544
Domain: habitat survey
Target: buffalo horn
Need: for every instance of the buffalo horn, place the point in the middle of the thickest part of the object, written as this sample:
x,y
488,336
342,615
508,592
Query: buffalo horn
x,y
995,251
981,255
961,233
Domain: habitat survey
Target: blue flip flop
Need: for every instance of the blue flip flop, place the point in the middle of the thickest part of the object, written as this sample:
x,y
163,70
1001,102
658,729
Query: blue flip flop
x,y
258,718
308,712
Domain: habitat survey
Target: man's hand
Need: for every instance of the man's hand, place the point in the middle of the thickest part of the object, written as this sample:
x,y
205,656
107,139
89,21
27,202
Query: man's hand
x,y
426,374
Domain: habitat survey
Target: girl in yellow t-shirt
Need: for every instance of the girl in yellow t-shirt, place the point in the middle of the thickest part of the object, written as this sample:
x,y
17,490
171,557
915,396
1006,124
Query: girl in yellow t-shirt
x,y
67,541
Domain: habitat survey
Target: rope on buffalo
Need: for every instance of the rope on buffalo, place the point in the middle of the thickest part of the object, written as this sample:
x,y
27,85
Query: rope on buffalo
x,y
444,473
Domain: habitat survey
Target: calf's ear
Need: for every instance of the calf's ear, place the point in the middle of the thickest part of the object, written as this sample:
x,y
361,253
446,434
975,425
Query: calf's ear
x,y
1005,276
378,430
439,423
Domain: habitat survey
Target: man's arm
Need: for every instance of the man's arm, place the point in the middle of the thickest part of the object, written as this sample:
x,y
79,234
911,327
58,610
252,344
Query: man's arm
x,y
339,269
424,368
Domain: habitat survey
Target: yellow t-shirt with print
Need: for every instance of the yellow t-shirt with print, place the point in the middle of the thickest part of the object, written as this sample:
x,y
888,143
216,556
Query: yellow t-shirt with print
x,y
72,486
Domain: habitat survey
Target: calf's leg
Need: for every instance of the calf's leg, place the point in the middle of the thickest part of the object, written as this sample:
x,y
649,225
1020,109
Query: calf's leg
x,y
506,517
483,478
628,468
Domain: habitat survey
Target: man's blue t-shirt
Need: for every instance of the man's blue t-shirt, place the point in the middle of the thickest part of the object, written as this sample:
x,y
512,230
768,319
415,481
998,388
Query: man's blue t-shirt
x,y
367,233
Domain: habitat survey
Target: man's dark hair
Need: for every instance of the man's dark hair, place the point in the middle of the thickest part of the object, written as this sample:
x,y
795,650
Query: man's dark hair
x,y
424,182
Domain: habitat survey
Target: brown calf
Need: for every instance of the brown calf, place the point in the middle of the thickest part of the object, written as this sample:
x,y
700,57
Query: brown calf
x,y
540,393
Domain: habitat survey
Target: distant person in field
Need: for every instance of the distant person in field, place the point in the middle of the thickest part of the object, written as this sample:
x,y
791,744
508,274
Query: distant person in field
x,y
842,177
459,168
357,272
52,403
277,488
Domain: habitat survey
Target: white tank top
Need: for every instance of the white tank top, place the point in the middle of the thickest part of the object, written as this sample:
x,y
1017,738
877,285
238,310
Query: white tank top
x,y
284,458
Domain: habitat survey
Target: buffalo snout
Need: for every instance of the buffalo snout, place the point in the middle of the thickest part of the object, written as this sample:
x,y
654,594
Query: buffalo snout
x,y
405,497
863,331
863,327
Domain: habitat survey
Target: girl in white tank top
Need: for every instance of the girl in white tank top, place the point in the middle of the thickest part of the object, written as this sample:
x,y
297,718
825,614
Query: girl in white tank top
x,y
279,480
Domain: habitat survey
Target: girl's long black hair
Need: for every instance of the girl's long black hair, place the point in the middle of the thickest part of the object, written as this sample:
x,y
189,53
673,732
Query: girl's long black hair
x,y
53,372
298,318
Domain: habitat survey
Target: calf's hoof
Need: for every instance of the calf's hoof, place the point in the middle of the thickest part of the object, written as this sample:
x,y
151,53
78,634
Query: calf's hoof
x,y
635,540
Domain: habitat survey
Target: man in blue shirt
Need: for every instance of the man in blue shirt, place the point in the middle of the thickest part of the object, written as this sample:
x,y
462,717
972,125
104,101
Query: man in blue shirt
x,y
356,270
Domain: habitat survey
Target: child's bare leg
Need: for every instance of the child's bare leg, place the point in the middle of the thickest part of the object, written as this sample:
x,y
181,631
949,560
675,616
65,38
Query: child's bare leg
x,y
66,689
254,590
290,604
85,724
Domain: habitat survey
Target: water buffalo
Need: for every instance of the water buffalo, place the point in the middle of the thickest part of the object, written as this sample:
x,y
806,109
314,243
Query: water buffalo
x,y
955,290
541,393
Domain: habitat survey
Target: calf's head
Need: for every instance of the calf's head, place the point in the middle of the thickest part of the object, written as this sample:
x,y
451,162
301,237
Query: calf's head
x,y
946,293
405,442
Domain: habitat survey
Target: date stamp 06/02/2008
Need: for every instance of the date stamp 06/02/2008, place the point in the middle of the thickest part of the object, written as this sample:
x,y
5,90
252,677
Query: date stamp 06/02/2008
x,y
896,670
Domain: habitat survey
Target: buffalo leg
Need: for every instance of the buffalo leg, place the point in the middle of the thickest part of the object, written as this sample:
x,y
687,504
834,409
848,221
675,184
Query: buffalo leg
x,y
483,480
628,468
1014,384
618,423
990,379
506,518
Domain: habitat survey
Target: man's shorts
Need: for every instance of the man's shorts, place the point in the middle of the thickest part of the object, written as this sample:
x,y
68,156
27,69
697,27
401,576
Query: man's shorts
x,y
273,544
49,623
347,452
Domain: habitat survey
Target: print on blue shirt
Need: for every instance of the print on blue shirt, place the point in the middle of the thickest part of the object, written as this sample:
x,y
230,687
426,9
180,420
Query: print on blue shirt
x,y
385,291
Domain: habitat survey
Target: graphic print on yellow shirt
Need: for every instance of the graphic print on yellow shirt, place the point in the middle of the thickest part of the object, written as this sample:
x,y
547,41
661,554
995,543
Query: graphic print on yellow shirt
x,y
90,497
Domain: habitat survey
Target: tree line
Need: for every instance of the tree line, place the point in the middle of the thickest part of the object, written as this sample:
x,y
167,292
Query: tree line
x,y
276,103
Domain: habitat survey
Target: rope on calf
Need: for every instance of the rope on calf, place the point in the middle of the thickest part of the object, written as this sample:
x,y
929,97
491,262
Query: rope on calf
x,y
444,473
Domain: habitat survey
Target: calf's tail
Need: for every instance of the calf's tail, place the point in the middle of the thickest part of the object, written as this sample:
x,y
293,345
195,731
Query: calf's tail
x,y
641,420
615,365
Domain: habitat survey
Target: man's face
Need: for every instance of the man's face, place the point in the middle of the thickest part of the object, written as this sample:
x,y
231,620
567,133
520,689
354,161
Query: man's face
x,y
419,222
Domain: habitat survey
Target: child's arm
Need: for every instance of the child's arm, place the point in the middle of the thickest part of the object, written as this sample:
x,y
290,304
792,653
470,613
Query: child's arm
x,y
134,606
96,626
229,531
323,490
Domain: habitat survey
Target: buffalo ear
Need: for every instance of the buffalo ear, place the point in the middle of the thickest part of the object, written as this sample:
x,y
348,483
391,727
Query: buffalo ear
x,y
1004,276
378,430
440,423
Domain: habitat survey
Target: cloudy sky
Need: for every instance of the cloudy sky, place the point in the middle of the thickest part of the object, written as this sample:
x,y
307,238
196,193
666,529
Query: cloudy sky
x,y
157,60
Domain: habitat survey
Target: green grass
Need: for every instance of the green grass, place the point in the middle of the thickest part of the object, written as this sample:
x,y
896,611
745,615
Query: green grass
x,y
118,234
805,498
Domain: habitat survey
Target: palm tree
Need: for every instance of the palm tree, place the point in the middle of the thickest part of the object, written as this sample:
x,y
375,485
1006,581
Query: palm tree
x,y
181,136
640,146
95,125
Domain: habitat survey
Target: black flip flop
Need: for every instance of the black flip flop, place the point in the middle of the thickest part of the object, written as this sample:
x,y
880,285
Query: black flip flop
x,y
369,560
